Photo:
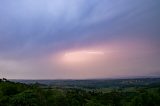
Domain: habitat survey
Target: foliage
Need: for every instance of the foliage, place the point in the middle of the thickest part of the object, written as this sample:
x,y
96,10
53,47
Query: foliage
x,y
19,94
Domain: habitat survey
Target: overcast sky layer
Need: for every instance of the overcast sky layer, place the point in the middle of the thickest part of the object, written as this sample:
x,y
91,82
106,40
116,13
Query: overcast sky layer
x,y
118,38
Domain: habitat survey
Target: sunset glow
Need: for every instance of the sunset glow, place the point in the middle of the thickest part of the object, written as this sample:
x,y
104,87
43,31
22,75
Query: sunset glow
x,y
81,56
79,39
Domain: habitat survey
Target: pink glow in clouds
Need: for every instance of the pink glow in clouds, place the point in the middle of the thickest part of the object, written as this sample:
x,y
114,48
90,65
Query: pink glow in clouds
x,y
118,58
115,59
81,56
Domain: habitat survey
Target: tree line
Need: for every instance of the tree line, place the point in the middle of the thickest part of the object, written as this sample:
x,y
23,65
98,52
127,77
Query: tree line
x,y
19,94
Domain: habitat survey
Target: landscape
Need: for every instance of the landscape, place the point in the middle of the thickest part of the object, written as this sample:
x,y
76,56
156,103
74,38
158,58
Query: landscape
x,y
102,92
79,52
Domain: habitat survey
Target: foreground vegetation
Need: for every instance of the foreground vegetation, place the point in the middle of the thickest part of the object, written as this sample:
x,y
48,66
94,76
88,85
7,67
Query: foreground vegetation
x,y
19,94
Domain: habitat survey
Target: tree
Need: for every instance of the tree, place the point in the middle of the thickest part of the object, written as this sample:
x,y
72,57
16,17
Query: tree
x,y
26,98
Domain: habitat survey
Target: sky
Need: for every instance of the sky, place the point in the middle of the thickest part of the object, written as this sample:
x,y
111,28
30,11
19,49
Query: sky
x,y
79,39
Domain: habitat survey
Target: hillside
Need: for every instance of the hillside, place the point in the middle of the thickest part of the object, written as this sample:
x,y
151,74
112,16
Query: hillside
x,y
20,94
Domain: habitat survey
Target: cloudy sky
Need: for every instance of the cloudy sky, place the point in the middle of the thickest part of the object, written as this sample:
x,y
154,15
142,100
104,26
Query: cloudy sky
x,y
79,39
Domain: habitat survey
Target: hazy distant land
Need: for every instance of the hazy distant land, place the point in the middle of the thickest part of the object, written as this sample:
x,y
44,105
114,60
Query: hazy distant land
x,y
94,83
